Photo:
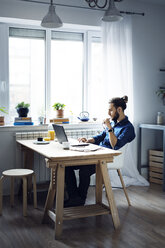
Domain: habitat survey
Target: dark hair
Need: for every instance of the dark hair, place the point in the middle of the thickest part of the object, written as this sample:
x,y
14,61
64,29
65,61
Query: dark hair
x,y
119,102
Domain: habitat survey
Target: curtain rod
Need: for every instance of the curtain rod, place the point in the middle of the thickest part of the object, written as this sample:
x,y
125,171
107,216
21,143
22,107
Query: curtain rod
x,y
80,7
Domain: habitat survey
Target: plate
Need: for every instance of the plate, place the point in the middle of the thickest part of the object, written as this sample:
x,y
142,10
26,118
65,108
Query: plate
x,y
41,142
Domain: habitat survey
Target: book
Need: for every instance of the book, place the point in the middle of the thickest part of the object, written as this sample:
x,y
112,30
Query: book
x,y
23,123
59,120
22,119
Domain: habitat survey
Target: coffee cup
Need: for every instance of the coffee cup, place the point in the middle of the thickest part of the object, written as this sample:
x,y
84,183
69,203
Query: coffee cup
x,y
65,145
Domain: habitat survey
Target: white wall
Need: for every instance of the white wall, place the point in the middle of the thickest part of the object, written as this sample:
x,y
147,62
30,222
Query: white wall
x,y
33,11
148,44
148,58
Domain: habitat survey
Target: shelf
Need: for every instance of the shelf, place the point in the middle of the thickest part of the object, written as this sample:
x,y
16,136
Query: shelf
x,y
81,211
85,211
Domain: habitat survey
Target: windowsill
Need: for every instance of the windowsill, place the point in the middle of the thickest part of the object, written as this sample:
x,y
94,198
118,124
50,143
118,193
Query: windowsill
x,y
78,125
23,127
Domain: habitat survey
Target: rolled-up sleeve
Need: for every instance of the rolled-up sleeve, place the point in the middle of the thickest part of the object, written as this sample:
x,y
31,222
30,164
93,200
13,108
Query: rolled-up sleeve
x,y
126,136
99,138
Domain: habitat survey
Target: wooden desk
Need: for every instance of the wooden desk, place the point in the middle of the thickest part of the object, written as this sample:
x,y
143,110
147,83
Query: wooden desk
x,y
57,159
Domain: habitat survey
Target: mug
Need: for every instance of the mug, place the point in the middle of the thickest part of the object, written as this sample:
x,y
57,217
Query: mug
x,y
65,145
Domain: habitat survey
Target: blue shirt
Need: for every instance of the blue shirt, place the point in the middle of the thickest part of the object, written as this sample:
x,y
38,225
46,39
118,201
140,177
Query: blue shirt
x,y
123,130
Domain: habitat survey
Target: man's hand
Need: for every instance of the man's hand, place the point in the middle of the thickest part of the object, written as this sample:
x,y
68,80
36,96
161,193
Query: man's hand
x,y
91,140
107,123
82,139
112,137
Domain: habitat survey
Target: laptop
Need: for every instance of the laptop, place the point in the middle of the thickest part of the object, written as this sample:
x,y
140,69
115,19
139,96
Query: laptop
x,y
62,137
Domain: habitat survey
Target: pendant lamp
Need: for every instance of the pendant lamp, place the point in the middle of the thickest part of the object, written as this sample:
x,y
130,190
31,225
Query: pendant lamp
x,y
51,20
112,14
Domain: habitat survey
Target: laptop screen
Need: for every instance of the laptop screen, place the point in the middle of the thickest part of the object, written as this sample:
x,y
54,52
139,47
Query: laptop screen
x,y
60,133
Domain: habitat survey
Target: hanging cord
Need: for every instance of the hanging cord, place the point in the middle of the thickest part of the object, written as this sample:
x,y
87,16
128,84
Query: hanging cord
x,y
80,7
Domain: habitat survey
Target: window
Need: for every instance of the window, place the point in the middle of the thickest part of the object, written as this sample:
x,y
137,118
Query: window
x,y
27,70
48,66
67,70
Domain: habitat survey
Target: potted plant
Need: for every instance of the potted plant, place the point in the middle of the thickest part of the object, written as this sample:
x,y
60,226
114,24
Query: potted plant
x,y
59,107
22,109
161,93
2,118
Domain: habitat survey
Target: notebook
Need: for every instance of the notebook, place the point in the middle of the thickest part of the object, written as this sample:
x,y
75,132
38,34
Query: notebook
x,y
62,137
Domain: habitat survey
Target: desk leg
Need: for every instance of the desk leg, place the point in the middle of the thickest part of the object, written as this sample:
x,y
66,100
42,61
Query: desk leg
x,y
28,164
51,194
99,184
59,200
110,197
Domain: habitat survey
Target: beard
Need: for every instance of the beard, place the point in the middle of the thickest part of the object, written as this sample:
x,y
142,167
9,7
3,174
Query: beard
x,y
115,117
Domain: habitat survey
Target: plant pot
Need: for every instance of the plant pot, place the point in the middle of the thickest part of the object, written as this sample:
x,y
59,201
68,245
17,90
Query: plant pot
x,y
60,113
2,120
22,112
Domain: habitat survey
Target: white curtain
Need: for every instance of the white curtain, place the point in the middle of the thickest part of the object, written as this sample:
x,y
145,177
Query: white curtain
x,y
118,81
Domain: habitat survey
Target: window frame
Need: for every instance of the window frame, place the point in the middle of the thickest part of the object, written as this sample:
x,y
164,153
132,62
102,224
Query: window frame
x,y
87,32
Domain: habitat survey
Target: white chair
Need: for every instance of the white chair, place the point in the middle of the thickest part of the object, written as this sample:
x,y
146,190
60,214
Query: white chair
x,y
117,165
19,173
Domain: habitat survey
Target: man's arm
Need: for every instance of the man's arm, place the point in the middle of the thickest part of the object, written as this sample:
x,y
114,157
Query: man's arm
x,y
112,137
95,139
127,135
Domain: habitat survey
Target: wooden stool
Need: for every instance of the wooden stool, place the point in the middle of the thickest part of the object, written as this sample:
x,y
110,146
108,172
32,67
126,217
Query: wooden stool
x,y
20,173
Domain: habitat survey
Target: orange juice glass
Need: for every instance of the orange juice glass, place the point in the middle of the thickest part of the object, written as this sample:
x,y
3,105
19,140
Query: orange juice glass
x,y
46,138
51,134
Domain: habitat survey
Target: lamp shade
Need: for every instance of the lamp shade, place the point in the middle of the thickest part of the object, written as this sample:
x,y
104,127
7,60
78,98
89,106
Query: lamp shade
x,y
112,14
51,20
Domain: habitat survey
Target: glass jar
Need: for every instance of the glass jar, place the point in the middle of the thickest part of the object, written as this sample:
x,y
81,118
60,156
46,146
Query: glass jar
x,y
160,118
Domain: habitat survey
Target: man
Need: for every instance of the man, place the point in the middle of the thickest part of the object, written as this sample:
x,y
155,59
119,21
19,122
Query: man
x,y
116,134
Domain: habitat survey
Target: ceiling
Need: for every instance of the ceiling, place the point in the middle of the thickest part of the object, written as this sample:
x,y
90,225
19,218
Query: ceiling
x,y
147,1
84,3
154,1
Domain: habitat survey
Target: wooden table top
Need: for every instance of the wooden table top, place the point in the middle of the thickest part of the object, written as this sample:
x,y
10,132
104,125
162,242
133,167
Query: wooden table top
x,y
55,152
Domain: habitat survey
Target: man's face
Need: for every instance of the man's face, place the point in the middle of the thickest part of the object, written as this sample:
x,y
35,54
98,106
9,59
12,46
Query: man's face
x,y
112,111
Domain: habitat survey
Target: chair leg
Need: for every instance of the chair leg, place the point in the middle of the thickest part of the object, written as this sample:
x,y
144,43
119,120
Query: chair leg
x,y
24,196
124,188
12,192
1,200
34,191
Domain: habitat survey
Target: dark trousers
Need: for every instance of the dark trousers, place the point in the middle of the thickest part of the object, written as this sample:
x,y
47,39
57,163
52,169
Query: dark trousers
x,y
84,180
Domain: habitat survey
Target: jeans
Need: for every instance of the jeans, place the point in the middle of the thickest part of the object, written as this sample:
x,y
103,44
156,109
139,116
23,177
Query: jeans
x,y
84,180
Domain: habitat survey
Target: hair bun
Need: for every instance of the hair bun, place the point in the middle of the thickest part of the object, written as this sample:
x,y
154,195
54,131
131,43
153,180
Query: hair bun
x,y
125,98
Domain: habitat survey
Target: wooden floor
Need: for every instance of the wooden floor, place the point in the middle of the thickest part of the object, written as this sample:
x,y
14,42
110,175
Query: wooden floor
x,y
142,224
